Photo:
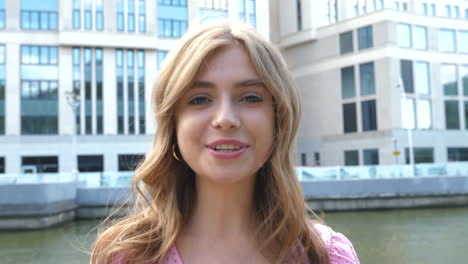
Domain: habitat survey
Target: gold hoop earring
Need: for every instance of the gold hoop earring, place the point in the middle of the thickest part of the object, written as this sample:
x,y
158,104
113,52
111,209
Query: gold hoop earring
x,y
174,153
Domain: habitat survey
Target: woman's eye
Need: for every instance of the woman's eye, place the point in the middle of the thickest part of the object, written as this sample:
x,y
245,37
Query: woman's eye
x,y
252,99
199,100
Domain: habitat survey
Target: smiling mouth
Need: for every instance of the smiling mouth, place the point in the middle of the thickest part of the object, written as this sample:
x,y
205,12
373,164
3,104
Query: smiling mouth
x,y
226,148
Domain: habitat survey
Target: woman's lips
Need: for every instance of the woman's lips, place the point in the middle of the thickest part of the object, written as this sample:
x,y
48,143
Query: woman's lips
x,y
231,154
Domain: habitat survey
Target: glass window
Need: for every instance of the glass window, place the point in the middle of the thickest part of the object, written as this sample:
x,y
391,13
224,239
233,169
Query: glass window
x,y
42,164
424,114
2,90
463,41
369,115
76,14
351,158
457,154
403,36
120,15
405,6
349,118
90,163
448,11
447,40
99,15
129,162
88,17
298,12
371,156
464,79
433,10
141,90
420,155
141,16
367,79
120,91
131,16
39,15
456,11
252,13
452,115
422,77
2,13
2,165
420,37
397,5
449,79
365,37
347,82
466,114
407,108
346,42
424,9
406,70
466,13
161,55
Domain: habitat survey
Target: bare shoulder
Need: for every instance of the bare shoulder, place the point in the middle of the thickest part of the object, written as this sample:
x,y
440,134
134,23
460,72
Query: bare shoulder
x,y
340,249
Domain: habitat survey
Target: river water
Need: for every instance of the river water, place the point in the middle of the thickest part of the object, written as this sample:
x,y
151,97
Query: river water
x,y
429,236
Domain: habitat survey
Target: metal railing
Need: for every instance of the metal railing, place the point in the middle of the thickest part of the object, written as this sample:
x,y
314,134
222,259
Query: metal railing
x,y
118,179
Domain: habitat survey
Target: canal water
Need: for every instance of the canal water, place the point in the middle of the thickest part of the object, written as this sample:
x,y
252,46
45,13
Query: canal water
x,y
429,236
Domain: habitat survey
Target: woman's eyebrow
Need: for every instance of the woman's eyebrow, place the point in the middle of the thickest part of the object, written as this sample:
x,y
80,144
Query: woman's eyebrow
x,y
251,82
246,83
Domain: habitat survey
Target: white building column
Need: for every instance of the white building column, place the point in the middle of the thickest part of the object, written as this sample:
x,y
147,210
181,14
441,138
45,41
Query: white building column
x,y
150,79
65,111
109,92
13,89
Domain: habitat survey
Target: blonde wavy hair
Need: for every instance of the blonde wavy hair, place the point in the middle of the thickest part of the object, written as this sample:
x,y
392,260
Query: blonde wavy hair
x,y
165,187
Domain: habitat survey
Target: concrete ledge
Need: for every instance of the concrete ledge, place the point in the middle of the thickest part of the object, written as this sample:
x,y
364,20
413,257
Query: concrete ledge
x,y
43,209
14,194
29,223
429,186
103,196
373,203
98,212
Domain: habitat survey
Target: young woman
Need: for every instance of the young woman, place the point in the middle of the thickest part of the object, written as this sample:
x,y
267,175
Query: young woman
x,y
219,185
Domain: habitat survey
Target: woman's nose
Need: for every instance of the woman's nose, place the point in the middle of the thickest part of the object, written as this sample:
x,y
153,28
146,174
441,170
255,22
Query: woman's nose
x,y
226,116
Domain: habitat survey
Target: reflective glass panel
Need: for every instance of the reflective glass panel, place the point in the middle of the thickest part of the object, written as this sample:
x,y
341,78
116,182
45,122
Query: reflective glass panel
x,y
346,42
349,118
403,36
367,79
351,158
420,37
422,77
452,116
369,115
347,82
365,38
371,156
463,41
447,40
449,79
464,79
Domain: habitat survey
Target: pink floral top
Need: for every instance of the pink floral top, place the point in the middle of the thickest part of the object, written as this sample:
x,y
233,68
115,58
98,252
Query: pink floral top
x,y
340,249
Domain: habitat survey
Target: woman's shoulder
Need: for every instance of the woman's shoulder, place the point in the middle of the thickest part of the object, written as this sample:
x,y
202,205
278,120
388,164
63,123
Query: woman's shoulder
x,y
340,249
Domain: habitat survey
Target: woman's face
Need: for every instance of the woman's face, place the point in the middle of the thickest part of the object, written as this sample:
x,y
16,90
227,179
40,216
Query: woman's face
x,y
225,122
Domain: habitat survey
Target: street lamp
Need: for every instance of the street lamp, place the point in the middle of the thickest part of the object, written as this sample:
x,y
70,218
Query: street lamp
x,y
74,100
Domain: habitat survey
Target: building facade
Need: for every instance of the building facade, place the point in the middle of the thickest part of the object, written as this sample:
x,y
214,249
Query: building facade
x,y
76,76
383,82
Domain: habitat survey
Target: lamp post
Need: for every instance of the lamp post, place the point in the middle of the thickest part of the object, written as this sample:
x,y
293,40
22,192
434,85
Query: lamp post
x,y
74,100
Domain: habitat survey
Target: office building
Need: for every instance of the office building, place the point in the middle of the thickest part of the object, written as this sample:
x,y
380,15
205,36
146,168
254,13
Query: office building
x,y
383,82
76,76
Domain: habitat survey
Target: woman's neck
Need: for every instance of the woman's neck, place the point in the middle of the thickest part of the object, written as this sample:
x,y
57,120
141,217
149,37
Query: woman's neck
x,y
223,211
